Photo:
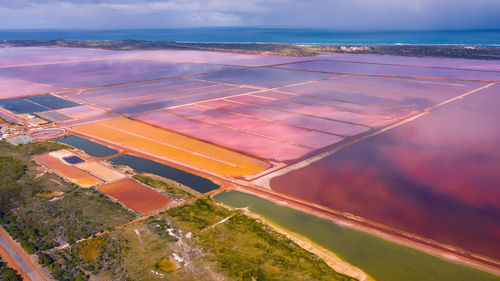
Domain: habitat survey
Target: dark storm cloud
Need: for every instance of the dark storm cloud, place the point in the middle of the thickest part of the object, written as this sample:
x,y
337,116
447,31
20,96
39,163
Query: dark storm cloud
x,y
336,14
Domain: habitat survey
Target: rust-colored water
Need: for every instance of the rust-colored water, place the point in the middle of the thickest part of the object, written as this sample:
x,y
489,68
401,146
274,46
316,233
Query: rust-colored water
x,y
74,174
136,196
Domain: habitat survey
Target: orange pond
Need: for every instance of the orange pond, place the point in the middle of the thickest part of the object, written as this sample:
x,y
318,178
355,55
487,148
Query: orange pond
x,y
136,196
73,174
171,146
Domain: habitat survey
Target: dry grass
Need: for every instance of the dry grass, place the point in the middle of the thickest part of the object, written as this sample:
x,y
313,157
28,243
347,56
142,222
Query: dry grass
x,y
166,265
50,194
91,250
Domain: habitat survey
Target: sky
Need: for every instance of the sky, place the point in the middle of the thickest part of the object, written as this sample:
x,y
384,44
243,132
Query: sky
x,y
361,15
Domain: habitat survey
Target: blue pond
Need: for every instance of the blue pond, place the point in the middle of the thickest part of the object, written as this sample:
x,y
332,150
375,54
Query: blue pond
x,y
20,105
90,147
73,159
51,101
34,104
142,165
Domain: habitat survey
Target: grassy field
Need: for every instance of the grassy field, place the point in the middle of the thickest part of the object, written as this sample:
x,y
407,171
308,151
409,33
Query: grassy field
x,y
155,241
244,248
381,259
164,187
197,241
42,211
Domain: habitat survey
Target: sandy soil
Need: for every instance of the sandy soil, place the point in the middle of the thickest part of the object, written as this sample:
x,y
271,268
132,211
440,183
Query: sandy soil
x,y
100,171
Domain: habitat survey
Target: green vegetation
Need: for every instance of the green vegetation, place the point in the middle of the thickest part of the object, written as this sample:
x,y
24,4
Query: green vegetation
x,y
381,259
197,241
10,170
7,273
156,239
199,215
40,222
87,258
168,189
247,249
37,147
143,250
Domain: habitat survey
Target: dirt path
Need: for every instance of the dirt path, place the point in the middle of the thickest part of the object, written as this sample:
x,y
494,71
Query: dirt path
x,y
217,223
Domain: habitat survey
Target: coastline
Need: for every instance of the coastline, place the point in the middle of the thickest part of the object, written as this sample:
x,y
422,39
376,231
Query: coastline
x,y
465,51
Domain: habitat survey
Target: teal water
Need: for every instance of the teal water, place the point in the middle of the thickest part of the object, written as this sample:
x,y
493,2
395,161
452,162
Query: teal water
x,y
268,35
381,259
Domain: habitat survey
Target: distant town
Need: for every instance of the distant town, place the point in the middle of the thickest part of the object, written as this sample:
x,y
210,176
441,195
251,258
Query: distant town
x,y
449,51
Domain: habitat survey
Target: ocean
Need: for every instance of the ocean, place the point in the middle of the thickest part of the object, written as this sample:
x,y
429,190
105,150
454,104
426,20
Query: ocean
x,y
268,35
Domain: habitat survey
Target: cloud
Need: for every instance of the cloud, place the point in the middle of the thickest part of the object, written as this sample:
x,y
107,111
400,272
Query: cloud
x,y
336,14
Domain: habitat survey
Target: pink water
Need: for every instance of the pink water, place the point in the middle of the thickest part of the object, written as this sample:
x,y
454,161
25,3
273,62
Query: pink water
x,y
394,70
12,88
436,176
399,93
319,124
313,111
279,132
247,143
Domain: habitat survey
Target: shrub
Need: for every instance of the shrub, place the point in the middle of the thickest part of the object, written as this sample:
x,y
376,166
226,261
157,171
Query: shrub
x,y
166,265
